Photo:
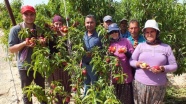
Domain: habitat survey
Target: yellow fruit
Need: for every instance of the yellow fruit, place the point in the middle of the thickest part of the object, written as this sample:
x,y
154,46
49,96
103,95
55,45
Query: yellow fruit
x,y
144,65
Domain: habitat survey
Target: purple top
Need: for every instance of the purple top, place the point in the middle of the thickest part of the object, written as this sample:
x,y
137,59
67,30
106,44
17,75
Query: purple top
x,y
123,42
159,55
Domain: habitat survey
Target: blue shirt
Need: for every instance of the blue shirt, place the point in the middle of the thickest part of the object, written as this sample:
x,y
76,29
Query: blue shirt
x,y
141,39
89,43
125,35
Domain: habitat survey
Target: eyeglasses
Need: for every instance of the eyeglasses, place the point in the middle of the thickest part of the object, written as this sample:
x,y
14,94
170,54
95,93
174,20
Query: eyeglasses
x,y
112,32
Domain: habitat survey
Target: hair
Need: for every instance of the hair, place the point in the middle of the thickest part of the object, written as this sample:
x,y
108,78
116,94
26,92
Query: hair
x,y
156,41
134,21
91,16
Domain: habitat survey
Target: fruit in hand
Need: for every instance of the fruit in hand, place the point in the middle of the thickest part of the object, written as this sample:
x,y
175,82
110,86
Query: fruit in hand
x,y
32,40
144,65
64,29
156,67
84,72
112,49
54,28
122,50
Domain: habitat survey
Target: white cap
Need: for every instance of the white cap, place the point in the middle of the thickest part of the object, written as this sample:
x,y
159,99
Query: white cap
x,y
151,24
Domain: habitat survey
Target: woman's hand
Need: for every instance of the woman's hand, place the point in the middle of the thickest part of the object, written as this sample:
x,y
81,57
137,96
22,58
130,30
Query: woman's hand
x,y
157,69
60,33
142,65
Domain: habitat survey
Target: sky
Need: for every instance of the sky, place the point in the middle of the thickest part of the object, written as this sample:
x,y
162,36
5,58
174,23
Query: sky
x,y
35,2
30,2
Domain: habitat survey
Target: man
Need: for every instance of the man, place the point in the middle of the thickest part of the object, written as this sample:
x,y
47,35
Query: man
x,y
107,20
25,49
123,28
135,37
91,39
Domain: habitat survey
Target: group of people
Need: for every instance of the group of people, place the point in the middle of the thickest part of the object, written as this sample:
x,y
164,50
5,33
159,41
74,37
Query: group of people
x,y
19,45
146,59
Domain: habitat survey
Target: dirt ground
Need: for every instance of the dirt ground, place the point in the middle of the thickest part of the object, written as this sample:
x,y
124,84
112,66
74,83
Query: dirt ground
x,y
10,92
10,88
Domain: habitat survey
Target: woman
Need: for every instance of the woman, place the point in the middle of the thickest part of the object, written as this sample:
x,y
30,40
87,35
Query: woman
x,y
59,74
124,92
152,60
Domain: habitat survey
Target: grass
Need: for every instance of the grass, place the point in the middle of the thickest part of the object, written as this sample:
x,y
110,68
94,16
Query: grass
x,y
175,95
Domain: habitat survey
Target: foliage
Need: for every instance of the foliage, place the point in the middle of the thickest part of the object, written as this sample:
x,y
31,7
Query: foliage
x,y
171,18
5,23
99,8
68,58
169,14
45,95
175,95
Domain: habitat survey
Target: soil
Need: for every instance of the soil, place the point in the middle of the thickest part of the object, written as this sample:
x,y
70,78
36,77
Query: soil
x,y
10,88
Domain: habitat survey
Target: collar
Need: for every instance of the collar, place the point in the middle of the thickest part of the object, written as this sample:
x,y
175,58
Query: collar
x,y
157,41
86,33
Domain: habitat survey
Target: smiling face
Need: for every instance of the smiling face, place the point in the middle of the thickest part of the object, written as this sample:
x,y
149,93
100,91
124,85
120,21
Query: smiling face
x,y
58,24
150,34
114,34
29,17
90,24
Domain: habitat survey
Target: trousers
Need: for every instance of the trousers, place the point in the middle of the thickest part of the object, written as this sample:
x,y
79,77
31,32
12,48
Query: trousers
x,y
91,77
26,81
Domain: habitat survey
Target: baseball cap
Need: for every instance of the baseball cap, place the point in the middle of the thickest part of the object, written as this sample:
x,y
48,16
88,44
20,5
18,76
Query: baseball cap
x,y
57,18
27,8
107,18
124,19
113,27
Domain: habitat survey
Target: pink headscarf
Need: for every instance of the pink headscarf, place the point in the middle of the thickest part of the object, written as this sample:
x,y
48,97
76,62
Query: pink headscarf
x,y
57,18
